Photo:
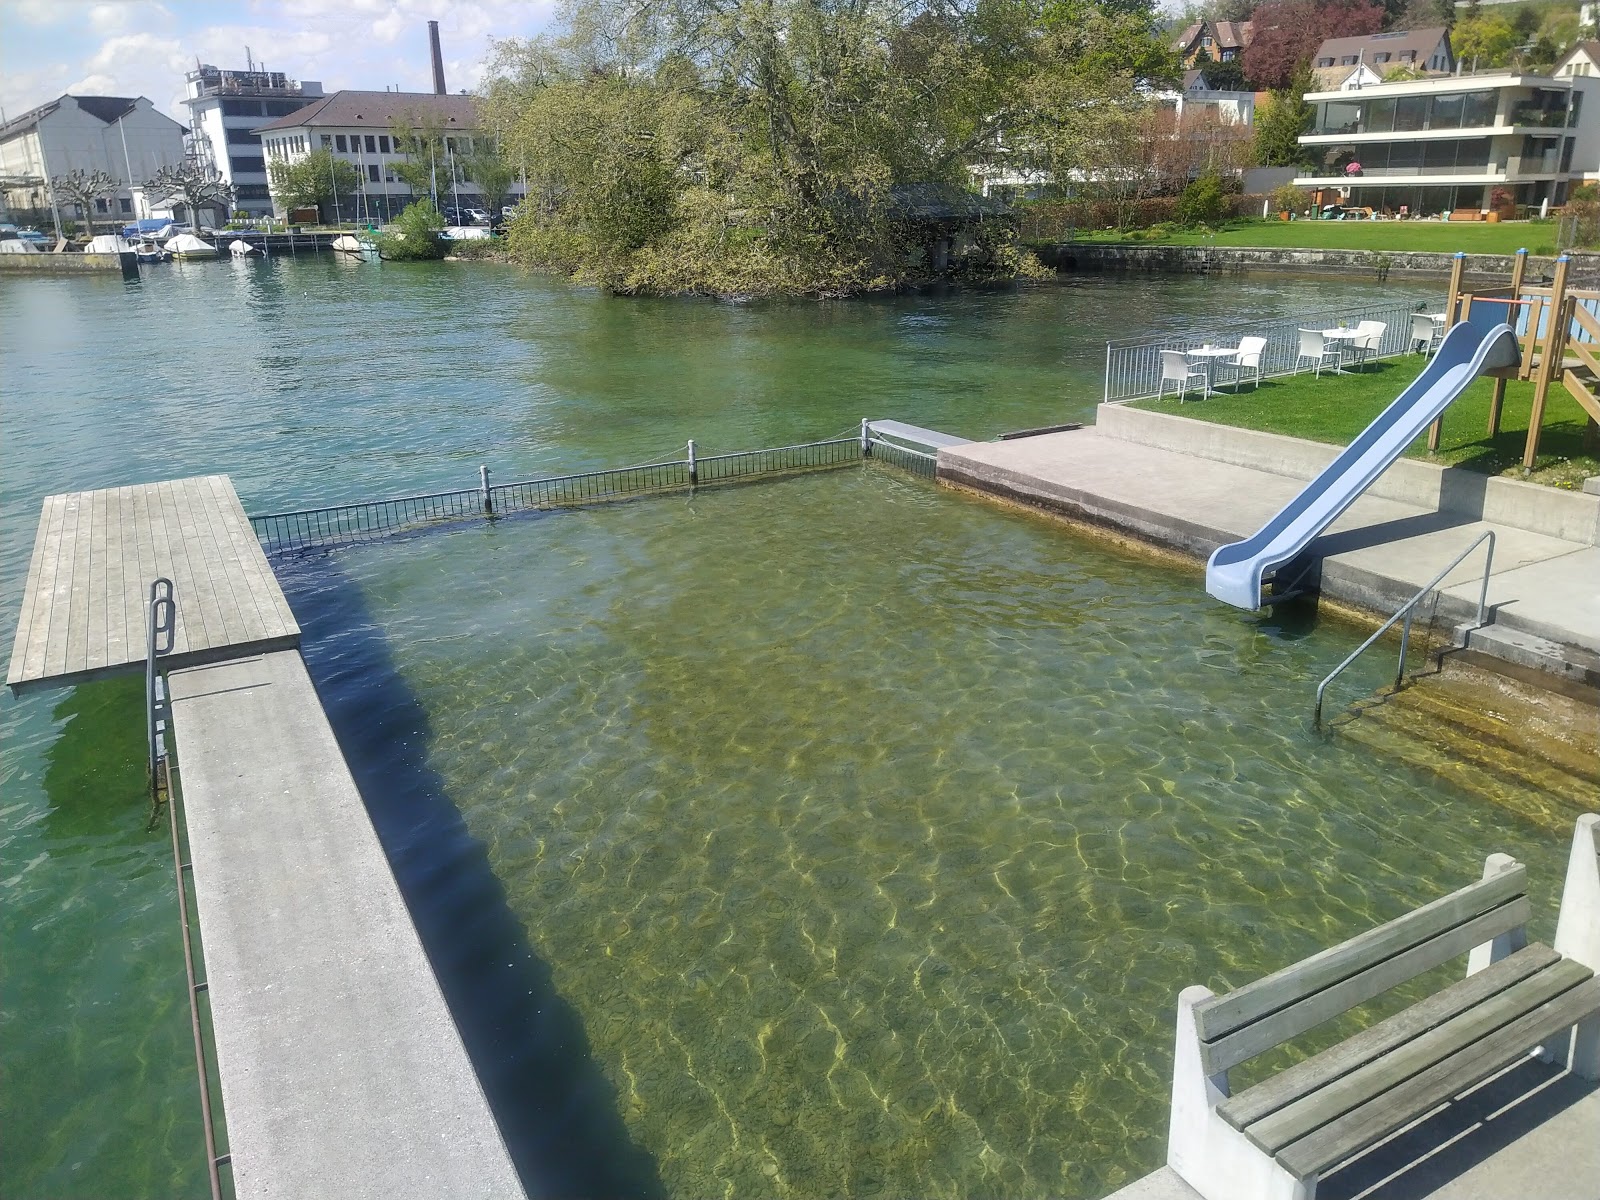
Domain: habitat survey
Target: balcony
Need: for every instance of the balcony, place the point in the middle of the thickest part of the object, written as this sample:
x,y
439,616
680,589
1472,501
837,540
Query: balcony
x,y
1539,118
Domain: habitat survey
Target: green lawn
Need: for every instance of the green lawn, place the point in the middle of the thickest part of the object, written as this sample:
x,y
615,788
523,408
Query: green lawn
x,y
1449,236
1335,408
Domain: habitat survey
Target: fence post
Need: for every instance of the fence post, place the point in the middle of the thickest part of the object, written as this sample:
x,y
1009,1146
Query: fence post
x,y
1498,396
483,490
1555,346
1457,269
866,439
1105,392
694,474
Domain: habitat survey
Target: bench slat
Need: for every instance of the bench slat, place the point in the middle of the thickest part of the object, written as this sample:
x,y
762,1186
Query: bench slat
x,y
1321,1069
1261,1036
1471,1065
1222,1015
1310,1113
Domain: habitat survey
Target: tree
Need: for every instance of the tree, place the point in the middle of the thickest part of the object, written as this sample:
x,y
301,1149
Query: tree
x,y
1486,40
492,173
414,234
1227,76
196,184
320,180
1281,121
426,166
83,188
1286,34
1201,202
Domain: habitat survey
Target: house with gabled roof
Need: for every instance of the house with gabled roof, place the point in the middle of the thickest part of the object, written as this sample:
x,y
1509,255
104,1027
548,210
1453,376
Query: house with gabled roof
x,y
1221,41
1423,50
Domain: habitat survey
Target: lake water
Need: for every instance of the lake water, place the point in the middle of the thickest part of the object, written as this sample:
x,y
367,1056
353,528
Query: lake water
x,y
832,836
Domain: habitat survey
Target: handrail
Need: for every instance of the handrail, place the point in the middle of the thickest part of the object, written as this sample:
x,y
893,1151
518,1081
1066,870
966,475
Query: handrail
x,y
1406,610
160,623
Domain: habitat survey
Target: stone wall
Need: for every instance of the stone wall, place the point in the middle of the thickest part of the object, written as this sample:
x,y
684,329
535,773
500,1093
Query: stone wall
x,y
1089,256
45,263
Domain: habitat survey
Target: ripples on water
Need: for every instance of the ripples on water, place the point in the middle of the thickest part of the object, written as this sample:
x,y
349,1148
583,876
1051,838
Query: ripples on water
x,y
835,836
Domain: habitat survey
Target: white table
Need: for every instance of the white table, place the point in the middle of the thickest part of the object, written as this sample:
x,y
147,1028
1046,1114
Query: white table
x,y
1209,355
1338,337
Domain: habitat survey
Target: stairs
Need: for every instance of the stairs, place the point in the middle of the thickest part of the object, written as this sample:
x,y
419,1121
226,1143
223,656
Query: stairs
x,y
1533,753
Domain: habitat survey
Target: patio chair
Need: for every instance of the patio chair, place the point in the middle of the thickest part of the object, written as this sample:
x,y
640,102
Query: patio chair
x,y
1424,333
1315,347
1247,360
1176,368
1369,339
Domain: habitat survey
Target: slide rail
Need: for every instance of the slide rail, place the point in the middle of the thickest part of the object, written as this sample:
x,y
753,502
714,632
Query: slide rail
x,y
1408,611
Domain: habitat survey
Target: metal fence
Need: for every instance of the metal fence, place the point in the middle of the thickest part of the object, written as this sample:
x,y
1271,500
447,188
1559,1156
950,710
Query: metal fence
x,y
1133,367
346,524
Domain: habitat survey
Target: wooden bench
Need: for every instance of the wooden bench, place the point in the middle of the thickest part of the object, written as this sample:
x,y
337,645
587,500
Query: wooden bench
x,y
1275,1139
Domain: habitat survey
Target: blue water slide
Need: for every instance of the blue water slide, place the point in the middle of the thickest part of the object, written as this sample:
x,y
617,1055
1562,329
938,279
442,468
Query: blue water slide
x,y
1484,342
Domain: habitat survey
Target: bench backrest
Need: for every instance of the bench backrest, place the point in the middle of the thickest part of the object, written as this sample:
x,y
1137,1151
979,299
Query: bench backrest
x,y
1252,1020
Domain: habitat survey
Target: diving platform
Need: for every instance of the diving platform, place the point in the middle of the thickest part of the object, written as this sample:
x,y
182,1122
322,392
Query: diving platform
x,y
94,558
917,435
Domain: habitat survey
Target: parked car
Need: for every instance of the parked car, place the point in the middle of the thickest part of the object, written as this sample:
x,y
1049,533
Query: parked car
x,y
477,216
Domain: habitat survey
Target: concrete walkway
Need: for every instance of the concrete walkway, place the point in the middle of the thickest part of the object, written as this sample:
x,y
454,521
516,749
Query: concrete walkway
x,y
1545,589
342,1071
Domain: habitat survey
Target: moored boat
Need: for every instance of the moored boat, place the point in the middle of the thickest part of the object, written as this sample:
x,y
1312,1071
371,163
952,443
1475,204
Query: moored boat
x,y
186,246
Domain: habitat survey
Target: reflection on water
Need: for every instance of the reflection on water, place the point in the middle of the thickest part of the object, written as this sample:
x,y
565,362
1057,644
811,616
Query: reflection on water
x,y
778,689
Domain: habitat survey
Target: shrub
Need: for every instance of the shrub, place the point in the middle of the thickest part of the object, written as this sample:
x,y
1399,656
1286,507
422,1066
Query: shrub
x,y
414,234
1201,202
1290,199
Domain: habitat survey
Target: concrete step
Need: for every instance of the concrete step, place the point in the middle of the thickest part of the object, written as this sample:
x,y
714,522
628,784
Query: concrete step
x,y
1491,782
1472,719
1571,663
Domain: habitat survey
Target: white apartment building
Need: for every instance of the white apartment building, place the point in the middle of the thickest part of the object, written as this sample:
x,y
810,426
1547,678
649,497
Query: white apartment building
x,y
123,136
224,109
1431,146
358,127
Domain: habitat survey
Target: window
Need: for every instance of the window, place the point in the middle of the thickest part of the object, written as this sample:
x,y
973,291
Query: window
x,y
1572,113
100,204
383,143
246,165
1349,60
1385,56
1447,111
252,191
1410,113
241,137
1229,55
327,141
389,175
372,172
1380,116
127,205
1566,156
372,144
450,145
339,143
1324,62
1478,110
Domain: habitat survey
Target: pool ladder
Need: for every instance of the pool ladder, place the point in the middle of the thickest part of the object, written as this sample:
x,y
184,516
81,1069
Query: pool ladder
x,y
1408,610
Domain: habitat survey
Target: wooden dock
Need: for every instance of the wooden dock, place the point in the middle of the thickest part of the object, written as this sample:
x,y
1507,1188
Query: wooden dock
x,y
95,555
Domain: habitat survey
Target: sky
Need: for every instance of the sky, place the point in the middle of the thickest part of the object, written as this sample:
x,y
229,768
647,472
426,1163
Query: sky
x,y
144,47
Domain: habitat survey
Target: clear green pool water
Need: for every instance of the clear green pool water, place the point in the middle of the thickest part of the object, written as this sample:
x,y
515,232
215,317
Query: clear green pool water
x,y
837,836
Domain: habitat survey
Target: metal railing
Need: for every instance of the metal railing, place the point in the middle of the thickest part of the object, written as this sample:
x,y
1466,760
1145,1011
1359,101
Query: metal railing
x,y
1133,367
161,622
1407,610
345,524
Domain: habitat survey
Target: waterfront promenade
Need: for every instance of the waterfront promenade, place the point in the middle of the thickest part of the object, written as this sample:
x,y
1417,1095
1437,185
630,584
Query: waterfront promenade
x,y
1191,486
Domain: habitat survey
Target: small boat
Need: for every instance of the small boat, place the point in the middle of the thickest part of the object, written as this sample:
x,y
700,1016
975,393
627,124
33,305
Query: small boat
x,y
239,248
108,243
186,246
360,247
150,251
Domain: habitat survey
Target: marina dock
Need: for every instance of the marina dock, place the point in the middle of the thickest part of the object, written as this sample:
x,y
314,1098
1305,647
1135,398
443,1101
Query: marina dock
x,y
342,1070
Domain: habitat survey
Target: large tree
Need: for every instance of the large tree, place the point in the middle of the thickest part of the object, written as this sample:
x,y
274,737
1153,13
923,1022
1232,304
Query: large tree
x,y
320,180
427,166
83,188
195,184
492,174
1285,34
767,145
1281,121
1486,40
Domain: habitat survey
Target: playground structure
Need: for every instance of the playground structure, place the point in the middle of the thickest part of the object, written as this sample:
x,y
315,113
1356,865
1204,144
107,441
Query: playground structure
x,y
1558,330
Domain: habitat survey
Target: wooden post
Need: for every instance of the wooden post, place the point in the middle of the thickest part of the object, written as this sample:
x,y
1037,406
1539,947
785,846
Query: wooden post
x,y
1457,269
1498,396
1555,341
694,473
483,490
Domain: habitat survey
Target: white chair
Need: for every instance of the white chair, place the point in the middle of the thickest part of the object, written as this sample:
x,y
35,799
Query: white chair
x,y
1315,347
1248,359
1369,339
1176,368
1424,333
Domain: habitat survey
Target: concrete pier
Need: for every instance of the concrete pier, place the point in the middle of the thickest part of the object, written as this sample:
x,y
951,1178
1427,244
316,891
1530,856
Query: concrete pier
x,y
1194,485
342,1071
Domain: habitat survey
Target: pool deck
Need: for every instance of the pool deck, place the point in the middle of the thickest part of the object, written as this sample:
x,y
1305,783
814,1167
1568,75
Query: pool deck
x,y
1544,591
342,1071
1529,1133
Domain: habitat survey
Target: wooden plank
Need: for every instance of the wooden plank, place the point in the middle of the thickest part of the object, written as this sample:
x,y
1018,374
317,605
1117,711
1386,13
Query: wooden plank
x,y
116,599
34,608
1272,1030
263,608
1322,1069
141,551
183,567
94,632
1468,1066
1581,393
1224,1014
55,651
1310,1113
206,557
169,560
916,433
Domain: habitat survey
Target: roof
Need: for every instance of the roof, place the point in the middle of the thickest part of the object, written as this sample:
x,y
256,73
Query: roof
x,y
941,202
1188,36
109,109
1194,80
379,110
1398,42
1331,79
1590,48
1232,35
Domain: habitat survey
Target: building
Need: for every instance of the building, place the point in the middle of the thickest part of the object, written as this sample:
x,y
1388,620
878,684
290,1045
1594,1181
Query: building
x,y
1230,107
1432,146
358,127
1582,59
123,136
224,109
1424,50
1221,41
1344,79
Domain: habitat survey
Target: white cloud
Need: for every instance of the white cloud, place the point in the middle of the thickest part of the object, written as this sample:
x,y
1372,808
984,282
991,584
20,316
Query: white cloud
x,y
44,12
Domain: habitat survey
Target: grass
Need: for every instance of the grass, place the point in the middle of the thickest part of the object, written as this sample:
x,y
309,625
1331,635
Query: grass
x,y
1335,408
1506,238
